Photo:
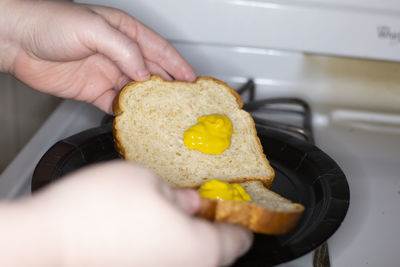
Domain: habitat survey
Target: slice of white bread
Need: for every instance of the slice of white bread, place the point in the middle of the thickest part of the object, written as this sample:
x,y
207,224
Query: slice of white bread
x,y
152,117
267,213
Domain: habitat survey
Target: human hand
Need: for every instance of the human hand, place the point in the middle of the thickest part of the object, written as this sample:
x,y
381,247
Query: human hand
x,y
119,214
84,52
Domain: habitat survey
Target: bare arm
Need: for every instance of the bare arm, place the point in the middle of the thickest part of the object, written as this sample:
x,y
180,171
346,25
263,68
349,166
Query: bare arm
x,y
84,52
116,214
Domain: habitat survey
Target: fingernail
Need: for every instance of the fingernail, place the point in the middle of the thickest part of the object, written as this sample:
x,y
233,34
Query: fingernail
x,y
190,77
143,74
189,200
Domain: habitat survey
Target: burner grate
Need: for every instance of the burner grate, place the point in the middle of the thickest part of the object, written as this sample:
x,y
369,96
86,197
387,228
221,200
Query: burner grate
x,y
288,115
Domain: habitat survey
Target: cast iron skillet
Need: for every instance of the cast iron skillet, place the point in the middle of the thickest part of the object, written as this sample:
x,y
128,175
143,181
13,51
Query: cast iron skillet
x,y
304,174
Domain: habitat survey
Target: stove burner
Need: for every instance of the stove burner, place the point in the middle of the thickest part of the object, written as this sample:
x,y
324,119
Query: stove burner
x,y
269,113
298,113
289,115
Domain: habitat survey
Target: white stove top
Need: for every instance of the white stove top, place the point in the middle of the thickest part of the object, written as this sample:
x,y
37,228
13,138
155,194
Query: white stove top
x,y
365,143
370,158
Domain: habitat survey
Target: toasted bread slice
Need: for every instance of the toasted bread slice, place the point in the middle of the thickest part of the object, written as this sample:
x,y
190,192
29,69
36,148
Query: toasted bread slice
x,y
152,117
267,213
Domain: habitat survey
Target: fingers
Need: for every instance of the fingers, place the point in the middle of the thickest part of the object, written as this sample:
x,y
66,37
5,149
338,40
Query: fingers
x,y
105,101
188,200
120,49
158,50
156,69
154,48
222,243
234,242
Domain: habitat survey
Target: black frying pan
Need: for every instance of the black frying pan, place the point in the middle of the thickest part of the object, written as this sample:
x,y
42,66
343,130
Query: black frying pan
x,y
304,174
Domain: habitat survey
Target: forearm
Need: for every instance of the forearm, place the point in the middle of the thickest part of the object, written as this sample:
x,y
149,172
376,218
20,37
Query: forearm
x,y
26,238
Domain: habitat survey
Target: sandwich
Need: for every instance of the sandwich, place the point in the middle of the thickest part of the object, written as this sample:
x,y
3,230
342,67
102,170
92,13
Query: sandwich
x,y
196,135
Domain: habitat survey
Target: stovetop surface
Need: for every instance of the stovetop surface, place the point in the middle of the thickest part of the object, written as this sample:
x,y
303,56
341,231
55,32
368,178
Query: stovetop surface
x,y
364,143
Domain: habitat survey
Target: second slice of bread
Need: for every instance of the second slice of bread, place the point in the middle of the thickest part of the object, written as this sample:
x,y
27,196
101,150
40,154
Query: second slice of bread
x,y
152,117
266,213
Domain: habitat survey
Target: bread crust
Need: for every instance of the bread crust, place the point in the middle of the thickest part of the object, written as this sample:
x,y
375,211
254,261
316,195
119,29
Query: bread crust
x,y
118,110
116,103
248,215
253,217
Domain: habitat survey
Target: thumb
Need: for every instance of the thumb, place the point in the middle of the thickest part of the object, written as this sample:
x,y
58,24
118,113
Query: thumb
x,y
187,200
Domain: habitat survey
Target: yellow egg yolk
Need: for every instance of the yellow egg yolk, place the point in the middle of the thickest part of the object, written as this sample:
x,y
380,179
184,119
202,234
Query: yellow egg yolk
x,y
211,135
219,190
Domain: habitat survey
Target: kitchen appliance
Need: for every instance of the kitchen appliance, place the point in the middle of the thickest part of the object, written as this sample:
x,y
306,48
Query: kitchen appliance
x,y
340,57
303,174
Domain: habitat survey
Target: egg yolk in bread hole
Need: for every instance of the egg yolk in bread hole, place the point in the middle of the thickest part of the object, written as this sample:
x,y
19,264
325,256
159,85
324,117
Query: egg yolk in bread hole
x,y
211,135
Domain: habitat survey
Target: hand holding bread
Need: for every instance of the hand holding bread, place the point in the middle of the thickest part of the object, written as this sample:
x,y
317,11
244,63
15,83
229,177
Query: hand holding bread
x,y
115,214
84,52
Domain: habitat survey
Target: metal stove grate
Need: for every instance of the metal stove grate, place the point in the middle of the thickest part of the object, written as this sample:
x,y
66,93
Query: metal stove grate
x,y
291,116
